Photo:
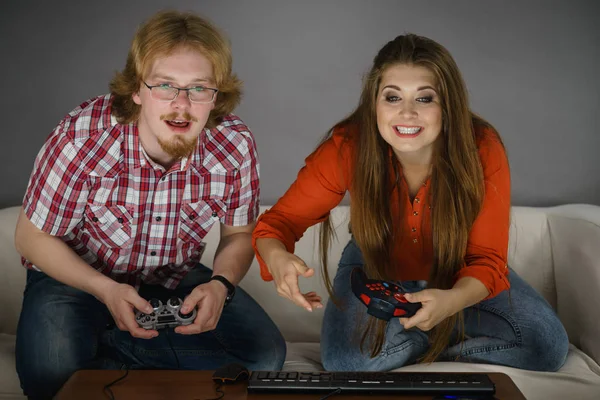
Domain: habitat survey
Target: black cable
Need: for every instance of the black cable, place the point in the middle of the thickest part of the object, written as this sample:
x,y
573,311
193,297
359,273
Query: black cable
x,y
172,349
107,389
218,390
336,391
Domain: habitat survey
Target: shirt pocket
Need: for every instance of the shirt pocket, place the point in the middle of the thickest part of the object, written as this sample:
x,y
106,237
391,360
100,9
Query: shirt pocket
x,y
195,220
110,225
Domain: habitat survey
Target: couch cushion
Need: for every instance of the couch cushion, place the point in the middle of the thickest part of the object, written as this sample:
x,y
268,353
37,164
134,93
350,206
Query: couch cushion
x,y
530,250
12,273
575,234
9,382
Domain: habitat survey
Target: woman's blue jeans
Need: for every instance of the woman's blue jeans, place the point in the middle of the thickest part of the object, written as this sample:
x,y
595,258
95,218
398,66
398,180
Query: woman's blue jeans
x,y
521,332
62,329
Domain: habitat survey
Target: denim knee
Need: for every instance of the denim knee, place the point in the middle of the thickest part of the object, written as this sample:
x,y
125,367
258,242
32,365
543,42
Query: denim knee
x,y
548,351
55,334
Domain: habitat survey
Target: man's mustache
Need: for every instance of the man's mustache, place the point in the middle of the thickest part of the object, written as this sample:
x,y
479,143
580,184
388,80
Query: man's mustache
x,y
173,116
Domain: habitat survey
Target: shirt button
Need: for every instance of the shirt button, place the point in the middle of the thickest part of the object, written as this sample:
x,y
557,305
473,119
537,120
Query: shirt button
x,y
415,240
158,218
414,229
120,220
152,253
417,200
214,214
415,213
192,216
95,219
162,179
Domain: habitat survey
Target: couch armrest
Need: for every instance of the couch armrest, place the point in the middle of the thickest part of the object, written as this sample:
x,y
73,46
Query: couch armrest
x,y
12,273
575,236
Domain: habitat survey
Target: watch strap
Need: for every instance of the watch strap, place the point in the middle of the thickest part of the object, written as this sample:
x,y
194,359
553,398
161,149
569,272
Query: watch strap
x,y
228,285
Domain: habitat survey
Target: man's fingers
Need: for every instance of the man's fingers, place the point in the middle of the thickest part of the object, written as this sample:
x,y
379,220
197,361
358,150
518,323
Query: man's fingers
x,y
127,319
139,303
191,301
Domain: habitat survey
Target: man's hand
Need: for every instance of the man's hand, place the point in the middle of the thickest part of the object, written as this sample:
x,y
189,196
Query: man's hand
x,y
208,299
121,299
437,305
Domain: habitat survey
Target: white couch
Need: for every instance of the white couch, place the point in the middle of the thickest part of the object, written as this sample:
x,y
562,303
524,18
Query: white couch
x,y
557,250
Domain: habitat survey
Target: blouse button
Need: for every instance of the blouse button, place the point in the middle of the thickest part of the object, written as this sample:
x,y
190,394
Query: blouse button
x,y
415,240
415,213
414,229
417,200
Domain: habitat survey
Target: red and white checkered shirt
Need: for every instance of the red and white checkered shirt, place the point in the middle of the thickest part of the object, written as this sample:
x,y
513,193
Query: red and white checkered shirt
x,y
93,186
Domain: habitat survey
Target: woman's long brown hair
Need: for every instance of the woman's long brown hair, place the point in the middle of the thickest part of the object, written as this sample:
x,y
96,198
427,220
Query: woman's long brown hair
x,y
457,186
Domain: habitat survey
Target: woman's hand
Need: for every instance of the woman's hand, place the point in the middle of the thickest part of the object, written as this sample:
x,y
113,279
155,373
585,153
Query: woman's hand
x,y
437,305
286,268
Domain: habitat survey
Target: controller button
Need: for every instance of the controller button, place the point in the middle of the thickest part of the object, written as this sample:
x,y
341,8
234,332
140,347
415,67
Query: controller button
x,y
399,312
400,297
387,293
366,299
385,284
174,301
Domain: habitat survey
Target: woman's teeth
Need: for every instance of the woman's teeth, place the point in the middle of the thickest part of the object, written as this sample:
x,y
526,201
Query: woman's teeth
x,y
407,131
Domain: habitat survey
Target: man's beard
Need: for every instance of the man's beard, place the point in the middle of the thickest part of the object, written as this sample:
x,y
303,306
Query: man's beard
x,y
178,147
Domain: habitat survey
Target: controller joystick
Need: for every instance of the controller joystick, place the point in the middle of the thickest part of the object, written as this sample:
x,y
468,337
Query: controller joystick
x,y
174,302
165,316
186,316
383,299
156,304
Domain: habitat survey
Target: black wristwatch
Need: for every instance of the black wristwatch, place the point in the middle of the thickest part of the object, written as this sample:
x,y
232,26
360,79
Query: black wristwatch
x,y
228,285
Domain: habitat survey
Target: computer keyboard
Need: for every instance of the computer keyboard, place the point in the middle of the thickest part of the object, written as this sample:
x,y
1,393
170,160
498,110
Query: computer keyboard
x,y
371,382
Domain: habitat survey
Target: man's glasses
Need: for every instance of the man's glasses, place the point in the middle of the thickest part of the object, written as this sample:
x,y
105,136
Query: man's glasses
x,y
196,94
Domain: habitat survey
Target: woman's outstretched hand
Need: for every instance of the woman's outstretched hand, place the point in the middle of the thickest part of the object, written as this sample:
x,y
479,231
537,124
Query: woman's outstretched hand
x,y
285,268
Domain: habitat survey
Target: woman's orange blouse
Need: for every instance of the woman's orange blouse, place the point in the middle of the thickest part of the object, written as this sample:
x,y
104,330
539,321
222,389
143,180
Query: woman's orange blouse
x,y
323,181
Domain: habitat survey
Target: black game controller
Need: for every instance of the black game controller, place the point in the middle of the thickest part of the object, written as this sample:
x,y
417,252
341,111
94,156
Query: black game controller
x,y
384,299
164,315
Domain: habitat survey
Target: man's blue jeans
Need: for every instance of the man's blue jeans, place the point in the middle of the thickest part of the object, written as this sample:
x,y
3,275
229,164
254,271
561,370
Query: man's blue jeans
x,y
521,331
62,329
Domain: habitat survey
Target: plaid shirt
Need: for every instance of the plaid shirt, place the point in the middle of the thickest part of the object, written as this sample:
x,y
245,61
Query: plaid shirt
x,y
93,185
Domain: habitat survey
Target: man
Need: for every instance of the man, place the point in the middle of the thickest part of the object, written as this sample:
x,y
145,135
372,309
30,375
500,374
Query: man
x,y
121,195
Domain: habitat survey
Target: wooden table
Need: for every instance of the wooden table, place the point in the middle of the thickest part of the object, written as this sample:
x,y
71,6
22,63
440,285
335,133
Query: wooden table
x,y
198,385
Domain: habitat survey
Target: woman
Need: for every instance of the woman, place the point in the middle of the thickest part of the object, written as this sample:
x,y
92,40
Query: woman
x,y
429,188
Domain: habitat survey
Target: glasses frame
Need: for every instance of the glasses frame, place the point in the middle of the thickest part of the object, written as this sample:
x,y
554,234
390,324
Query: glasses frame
x,y
187,90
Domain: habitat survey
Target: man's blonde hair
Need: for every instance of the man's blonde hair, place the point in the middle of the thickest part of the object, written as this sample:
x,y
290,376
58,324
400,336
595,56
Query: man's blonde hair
x,y
159,36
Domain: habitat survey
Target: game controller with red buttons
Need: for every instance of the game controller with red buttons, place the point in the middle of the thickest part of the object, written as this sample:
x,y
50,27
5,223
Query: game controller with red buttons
x,y
383,299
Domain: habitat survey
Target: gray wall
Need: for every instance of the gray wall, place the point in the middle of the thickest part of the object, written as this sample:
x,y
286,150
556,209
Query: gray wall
x,y
531,69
